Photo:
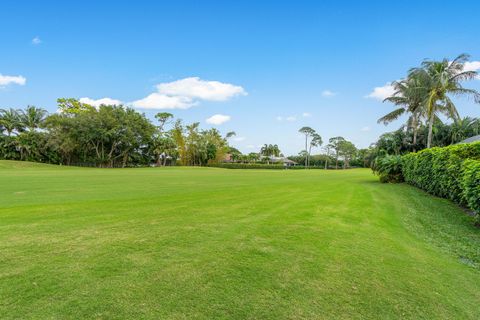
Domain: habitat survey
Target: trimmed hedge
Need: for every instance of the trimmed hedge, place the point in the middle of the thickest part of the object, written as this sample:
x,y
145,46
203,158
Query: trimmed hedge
x,y
451,172
471,184
276,166
247,166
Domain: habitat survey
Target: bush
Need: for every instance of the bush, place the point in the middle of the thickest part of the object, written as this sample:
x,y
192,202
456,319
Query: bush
x,y
451,172
471,185
276,166
439,171
388,168
247,166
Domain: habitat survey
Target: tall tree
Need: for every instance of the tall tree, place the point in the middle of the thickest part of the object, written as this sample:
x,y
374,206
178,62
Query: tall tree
x,y
442,79
335,145
308,132
71,106
347,151
163,118
409,96
316,141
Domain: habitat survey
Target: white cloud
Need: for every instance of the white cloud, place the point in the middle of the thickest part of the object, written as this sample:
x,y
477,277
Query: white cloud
x,y
328,93
162,101
185,93
471,66
306,115
250,146
238,139
279,118
36,41
218,119
381,93
291,118
365,129
197,88
6,80
99,102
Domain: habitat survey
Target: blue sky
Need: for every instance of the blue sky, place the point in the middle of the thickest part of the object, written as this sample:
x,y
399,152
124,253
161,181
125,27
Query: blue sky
x,y
268,67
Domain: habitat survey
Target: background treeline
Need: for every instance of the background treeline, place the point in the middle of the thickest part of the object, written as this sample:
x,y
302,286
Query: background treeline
x,y
107,136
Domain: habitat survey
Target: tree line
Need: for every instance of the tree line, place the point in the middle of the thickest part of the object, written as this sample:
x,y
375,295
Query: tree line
x,y
107,136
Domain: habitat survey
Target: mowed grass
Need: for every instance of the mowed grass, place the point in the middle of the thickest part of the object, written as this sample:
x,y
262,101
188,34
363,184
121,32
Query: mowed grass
x,y
208,243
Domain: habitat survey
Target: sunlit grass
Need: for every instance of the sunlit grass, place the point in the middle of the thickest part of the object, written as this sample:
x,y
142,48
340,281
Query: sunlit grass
x,y
209,243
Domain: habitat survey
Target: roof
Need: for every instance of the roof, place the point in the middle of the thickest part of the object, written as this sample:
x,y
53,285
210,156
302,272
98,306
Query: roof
x,y
471,139
282,159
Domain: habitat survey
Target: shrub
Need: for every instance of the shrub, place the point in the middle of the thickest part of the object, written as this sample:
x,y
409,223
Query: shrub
x,y
247,166
471,185
388,168
276,166
451,172
439,171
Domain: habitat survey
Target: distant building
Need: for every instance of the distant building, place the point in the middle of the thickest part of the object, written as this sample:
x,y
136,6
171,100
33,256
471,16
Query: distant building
x,y
286,162
228,158
471,139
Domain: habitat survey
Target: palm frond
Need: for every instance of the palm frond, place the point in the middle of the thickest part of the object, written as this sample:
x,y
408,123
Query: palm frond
x,y
464,91
465,75
395,114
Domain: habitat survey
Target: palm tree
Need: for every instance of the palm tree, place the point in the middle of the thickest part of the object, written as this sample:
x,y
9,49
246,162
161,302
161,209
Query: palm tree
x,y
463,128
409,95
32,118
9,120
440,79
275,150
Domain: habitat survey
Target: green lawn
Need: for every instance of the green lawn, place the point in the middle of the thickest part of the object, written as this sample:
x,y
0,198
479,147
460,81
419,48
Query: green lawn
x,y
208,243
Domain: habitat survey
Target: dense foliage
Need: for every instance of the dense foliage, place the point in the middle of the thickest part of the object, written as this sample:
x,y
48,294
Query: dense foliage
x,y
107,136
388,168
451,172
400,141
426,93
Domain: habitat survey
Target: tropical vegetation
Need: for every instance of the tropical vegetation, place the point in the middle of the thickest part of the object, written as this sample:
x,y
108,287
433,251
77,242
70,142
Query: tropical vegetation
x,y
425,95
107,136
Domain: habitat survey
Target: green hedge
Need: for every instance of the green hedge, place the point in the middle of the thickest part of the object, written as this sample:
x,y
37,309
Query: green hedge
x,y
451,172
471,184
276,166
247,166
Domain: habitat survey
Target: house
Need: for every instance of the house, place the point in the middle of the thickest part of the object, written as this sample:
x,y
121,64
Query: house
x,y
286,162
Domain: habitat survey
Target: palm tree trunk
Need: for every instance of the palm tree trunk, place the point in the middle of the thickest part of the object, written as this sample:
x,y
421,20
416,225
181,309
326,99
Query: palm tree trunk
x,y
430,130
